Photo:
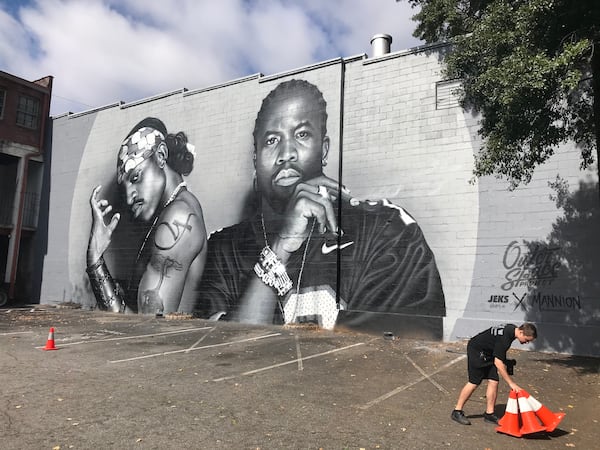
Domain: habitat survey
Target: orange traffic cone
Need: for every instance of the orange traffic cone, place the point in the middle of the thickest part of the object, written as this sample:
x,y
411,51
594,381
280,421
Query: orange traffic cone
x,y
548,418
50,342
530,422
509,424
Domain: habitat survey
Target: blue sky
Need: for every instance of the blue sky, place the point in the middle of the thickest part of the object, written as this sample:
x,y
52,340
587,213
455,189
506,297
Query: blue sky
x,y
103,51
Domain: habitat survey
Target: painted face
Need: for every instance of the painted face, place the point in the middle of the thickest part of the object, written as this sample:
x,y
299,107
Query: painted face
x,y
136,148
289,148
144,186
138,173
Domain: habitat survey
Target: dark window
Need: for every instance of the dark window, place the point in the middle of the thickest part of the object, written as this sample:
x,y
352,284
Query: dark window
x,y
28,112
2,97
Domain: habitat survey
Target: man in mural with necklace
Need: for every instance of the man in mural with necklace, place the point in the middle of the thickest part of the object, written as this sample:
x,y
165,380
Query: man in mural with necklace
x,y
302,260
170,261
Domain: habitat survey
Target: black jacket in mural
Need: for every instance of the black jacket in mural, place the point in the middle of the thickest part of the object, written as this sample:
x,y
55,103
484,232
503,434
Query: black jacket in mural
x,y
385,267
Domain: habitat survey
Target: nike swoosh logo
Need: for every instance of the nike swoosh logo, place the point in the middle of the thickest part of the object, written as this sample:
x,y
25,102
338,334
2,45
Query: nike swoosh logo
x,y
329,248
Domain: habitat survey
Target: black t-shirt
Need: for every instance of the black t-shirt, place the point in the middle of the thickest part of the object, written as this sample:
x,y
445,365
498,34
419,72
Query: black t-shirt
x,y
495,341
385,266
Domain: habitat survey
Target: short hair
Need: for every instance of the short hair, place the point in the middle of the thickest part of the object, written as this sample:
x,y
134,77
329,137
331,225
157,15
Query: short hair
x,y
529,330
288,89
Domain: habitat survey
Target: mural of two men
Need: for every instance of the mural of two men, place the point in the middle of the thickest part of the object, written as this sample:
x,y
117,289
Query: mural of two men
x,y
310,252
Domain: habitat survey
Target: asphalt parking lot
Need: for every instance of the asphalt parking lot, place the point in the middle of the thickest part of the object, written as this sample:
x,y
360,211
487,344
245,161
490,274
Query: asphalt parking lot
x,y
134,382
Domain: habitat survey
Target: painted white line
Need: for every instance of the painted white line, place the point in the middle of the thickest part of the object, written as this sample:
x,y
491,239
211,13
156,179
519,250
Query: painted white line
x,y
199,340
15,332
406,386
435,383
187,350
274,366
299,353
137,336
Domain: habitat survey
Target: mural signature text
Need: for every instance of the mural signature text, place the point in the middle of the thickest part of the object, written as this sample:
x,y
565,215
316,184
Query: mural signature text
x,y
535,268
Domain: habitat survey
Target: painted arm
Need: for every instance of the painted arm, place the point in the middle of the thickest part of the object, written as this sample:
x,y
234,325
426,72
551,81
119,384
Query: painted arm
x,y
310,210
109,295
178,240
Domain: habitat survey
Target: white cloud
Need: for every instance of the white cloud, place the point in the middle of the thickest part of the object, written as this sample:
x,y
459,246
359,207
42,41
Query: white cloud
x,y
13,43
103,51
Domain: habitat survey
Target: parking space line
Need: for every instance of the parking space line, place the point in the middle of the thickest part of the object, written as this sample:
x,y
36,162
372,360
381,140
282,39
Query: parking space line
x,y
199,340
137,336
187,350
435,383
406,386
14,332
274,366
298,353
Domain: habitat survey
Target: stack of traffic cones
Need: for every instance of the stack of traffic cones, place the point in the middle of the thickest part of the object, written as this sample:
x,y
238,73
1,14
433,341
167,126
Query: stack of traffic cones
x,y
525,415
509,424
529,421
50,342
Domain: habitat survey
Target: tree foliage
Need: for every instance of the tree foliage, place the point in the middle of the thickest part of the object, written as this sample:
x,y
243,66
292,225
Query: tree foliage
x,y
530,67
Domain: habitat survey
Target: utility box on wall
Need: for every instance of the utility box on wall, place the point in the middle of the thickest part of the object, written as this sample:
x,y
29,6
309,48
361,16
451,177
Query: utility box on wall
x,y
419,250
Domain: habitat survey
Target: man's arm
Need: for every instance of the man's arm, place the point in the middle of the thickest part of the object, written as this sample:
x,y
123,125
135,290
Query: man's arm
x,y
504,374
259,300
108,293
178,239
310,210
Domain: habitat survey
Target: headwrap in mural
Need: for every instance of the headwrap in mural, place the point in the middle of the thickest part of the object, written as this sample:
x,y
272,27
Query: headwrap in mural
x,y
170,260
311,252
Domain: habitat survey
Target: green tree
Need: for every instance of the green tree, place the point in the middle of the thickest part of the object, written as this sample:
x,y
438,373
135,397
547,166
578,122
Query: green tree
x,y
530,67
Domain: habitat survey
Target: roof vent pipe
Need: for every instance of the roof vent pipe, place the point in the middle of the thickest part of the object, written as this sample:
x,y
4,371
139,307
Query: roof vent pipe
x,y
381,44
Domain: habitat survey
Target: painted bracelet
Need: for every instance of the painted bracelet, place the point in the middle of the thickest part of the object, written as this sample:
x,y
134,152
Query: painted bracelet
x,y
107,292
272,272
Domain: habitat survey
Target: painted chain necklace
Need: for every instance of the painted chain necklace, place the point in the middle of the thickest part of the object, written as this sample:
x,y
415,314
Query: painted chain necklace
x,y
310,233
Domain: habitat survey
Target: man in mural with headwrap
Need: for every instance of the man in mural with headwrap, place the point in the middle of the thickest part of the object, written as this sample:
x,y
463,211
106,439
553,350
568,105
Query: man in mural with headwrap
x,y
171,257
312,253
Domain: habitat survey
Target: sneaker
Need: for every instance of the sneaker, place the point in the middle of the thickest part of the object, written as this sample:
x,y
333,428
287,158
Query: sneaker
x,y
460,417
490,418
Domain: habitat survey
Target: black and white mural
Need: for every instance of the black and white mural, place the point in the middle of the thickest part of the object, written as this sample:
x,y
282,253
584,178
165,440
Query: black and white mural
x,y
310,252
169,262
337,196
306,250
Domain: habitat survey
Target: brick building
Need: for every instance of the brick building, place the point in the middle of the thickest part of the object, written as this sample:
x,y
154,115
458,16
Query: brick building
x,y
24,113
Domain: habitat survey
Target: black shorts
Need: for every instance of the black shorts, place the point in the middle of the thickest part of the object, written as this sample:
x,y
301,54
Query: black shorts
x,y
480,368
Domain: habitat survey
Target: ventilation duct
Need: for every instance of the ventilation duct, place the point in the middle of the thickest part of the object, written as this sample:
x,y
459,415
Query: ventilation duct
x,y
381,44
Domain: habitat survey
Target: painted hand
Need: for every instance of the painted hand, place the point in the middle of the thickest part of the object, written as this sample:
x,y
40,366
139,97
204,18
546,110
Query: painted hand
x,y
312,200
101,234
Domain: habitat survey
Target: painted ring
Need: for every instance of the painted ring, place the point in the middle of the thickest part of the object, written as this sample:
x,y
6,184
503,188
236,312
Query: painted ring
x,y
323,192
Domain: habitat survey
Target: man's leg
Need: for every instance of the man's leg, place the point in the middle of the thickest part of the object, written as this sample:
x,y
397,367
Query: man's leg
x,y
457,414
491,394
465,394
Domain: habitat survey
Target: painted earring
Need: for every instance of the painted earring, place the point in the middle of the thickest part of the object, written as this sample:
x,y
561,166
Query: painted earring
x,y
324,162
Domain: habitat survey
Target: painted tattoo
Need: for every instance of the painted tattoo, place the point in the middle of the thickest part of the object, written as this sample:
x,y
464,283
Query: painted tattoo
x,y
177,229
164,265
